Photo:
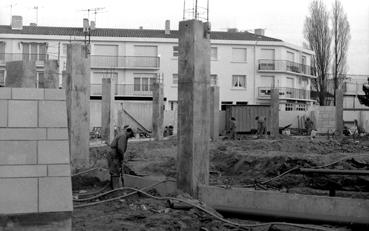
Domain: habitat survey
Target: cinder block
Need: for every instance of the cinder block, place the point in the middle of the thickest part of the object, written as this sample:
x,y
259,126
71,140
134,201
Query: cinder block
x,y
23,171
3,113
52,114
18,195
5,93
22,133
58,170
55,94
22,113
57,133
28,93
18,152
55,194
53,152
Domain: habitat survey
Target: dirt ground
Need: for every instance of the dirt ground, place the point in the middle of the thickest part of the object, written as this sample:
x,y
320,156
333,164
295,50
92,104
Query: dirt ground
x,y
241,163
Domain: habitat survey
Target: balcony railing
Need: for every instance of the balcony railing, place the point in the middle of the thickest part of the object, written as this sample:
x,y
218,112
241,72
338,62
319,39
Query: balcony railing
x,y
285,65
9,57
285,93
144,62
124,90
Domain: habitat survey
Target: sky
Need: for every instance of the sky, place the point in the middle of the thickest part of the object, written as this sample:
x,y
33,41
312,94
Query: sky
x,y
283,19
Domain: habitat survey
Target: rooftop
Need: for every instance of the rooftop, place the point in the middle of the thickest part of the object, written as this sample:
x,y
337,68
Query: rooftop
x,y
133,33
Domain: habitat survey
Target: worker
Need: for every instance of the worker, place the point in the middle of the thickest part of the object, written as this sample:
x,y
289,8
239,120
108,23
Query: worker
x,y
261,129
116,156
232,128
309,125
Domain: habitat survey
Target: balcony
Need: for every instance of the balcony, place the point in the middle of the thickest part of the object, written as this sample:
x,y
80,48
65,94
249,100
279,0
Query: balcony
x,y
9,57
135,90
272,65
285,93
125,62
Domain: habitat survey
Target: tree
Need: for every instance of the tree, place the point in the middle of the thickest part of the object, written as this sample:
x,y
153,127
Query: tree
x,y
318,36
341,38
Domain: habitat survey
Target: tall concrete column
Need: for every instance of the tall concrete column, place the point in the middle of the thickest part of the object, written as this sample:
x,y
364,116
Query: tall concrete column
x,y
107,103
21,74
214,113
78,108
157,110
339,113
193,105
274,113
51,74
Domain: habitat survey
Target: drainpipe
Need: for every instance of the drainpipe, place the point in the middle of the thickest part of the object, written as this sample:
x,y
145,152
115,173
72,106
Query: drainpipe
x,y
255,67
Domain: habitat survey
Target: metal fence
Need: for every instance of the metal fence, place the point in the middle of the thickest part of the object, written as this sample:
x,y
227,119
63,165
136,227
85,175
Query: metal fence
x,y
124,90
285,65
102,61
285,92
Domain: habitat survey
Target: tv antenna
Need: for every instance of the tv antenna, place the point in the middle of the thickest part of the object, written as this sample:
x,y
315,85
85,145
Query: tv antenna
x,y
199,10
11,9
95,11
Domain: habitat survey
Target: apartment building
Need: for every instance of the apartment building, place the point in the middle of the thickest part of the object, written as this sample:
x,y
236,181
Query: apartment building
x,y
244,65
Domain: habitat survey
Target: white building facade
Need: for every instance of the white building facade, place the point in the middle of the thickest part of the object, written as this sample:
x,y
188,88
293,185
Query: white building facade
x,y
244,65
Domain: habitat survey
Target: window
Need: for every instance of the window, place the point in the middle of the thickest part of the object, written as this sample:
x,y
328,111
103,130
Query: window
x,y
242,103
239,81
173,105
175,51
301,107
146,50
143,82
239,54
214,53
288,107
2,50
213,80
2,78
34,51
224,104
175,79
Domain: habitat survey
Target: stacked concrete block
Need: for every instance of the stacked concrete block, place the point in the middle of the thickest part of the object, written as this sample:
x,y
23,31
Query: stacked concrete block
x,y
325,117
21,74
35,175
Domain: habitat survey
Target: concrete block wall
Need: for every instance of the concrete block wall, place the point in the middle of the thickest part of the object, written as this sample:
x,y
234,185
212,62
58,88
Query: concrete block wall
x,y
325,118
35,175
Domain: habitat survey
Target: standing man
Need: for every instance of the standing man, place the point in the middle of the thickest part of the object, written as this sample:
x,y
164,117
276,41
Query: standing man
x,y
261,125
232,128
309,126
116,156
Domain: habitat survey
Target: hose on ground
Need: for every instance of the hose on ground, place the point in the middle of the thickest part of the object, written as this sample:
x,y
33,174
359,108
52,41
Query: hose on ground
x,y
297,168
311,227
87,171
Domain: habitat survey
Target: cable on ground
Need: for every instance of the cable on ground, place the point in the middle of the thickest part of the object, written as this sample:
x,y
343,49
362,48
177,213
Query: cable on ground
x,y
311,227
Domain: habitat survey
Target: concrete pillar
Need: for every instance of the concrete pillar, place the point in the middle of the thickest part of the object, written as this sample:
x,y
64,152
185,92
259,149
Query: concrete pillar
x,y
21,74
157,110
274,113
51,74
214,113
193,105
78,108
339,114
107,103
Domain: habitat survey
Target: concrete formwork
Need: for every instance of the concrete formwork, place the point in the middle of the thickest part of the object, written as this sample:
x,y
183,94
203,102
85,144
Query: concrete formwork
x,y
214,113
21,74
339,113
107,120
274,113
78,95
51,74
158,110
193,105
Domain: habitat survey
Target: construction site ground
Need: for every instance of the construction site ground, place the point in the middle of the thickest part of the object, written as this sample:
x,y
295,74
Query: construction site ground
x,y
248,162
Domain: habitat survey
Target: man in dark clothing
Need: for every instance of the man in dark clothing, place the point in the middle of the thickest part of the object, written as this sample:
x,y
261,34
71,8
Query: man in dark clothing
x,y
261,129
116,156
232,128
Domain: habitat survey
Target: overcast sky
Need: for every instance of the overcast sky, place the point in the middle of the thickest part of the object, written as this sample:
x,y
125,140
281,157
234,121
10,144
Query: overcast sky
x,y
283,19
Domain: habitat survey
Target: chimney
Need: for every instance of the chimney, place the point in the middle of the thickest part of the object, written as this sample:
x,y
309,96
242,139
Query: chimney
x,y
141,28
167,26
17,22
85,25
93,25
232,30
33,24
259,31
